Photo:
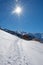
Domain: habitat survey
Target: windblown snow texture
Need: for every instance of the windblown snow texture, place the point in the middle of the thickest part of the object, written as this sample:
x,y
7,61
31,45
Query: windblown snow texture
x,y
17,51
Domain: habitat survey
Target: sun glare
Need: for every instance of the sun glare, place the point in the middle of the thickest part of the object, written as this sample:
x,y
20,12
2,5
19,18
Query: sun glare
x,y
17,10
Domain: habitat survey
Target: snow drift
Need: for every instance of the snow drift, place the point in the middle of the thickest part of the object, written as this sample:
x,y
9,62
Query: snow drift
x,y
17,51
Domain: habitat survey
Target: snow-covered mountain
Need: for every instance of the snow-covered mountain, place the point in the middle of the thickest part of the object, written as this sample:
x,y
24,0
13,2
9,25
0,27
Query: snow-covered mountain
x,y
25,35
15,50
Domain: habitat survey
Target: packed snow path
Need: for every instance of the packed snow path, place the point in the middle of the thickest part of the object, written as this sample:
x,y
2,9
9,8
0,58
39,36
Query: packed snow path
x,y
16,51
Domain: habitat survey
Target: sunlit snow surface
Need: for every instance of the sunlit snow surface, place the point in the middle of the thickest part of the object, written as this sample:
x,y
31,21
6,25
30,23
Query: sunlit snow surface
x,y
16,51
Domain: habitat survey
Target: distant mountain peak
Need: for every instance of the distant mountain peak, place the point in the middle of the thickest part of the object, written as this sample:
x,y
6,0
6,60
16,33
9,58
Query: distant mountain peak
x,y
25,35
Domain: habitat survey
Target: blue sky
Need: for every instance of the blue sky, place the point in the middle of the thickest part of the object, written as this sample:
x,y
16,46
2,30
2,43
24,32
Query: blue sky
x,y
31,19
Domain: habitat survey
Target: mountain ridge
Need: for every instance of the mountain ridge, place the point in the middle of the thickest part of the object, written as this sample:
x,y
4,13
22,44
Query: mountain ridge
x,y
25,35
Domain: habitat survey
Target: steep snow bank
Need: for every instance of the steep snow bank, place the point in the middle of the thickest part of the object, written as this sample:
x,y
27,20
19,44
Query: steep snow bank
x,y
16,51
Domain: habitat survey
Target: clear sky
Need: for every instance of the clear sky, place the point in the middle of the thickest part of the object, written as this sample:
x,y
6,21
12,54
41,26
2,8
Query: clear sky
x,y
30,20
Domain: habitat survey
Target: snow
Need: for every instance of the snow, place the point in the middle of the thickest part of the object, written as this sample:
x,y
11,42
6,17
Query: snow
x,y
16,51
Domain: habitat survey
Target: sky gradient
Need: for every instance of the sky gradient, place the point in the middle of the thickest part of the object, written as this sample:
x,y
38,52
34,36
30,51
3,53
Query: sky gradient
x,y
31,19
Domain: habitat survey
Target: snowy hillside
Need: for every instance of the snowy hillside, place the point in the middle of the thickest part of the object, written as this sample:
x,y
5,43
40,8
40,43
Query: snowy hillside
x,y
27,36
17,51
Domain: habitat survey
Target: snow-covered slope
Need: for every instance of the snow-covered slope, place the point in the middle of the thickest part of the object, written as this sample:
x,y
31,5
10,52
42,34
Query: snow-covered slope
x,y
16,51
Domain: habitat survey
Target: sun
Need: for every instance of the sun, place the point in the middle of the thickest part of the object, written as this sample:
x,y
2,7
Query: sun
x,y
17,10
